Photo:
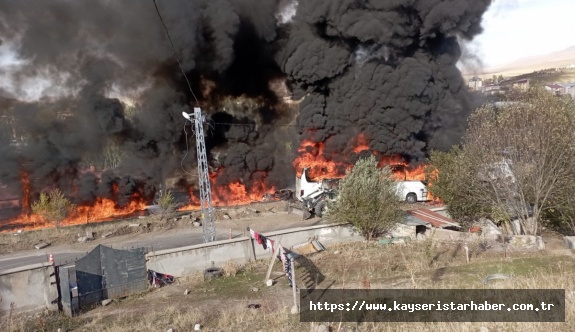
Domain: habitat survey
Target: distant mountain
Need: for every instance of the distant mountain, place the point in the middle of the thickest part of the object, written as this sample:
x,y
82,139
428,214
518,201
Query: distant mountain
x,y
558,59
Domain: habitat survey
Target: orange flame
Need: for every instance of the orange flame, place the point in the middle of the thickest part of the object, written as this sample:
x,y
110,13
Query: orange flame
x,y
361,145
103,209
25,191
311,155
234,193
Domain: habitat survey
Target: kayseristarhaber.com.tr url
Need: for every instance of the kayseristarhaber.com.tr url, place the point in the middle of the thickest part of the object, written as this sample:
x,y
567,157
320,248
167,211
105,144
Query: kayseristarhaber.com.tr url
x,y
439,306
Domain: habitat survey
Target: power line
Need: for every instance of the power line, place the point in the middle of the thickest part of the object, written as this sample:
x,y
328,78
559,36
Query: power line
x,y
265,125
187,81
175,53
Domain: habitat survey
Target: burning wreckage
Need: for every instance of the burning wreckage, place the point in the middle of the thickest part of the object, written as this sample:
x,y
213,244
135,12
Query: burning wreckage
x,y
316,195
320,78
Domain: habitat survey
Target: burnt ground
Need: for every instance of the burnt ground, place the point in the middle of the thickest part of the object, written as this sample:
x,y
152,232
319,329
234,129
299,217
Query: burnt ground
x,y
263,217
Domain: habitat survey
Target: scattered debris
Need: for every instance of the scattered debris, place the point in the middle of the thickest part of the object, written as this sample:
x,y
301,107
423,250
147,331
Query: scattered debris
x,y
294,310
106,302
142,217
83,239
170,330
41,245
105,235
282,195
227,216
255,289
269,283
176,219
186,292
308,248
497,276
197,327
89,235
213,272
197,223
336,252
254,306
134,225
157,279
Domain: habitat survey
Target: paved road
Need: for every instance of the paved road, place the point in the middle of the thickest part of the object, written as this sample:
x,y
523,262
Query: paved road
x,y
161,240
64,254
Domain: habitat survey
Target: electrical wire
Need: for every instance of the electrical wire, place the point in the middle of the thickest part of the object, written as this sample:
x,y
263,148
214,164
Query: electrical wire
x,y
196,99
187,81
175,52
186,154
269,125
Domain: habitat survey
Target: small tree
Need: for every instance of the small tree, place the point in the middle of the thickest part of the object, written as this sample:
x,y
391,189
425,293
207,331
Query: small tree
x,y
166,204
53,207
367,199
448,175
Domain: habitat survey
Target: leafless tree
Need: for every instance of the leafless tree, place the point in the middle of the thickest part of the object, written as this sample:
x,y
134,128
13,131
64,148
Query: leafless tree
x,y
518,157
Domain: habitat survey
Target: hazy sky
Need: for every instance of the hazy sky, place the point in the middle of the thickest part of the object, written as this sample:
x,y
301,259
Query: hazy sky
x,y
515,29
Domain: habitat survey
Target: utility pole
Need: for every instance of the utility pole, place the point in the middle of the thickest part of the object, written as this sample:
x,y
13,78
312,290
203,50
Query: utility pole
x,y
207,209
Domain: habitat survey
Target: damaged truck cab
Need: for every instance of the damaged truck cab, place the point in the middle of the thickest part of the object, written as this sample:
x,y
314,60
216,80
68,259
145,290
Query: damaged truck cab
x,y
315,195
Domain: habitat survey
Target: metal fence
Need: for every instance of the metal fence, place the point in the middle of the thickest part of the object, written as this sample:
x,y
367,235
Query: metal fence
x,y
103,273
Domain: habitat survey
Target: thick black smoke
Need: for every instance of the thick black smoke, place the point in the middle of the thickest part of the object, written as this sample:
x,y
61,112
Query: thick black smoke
x,y
88,51
385,68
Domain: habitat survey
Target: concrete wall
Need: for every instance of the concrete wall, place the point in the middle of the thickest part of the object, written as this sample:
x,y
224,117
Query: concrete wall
x,y
28,287
439,234
187,260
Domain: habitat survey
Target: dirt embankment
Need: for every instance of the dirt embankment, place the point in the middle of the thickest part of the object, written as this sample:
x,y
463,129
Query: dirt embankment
x,y
261,216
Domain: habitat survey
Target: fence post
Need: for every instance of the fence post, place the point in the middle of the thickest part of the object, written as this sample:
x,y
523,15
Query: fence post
x,y
293,284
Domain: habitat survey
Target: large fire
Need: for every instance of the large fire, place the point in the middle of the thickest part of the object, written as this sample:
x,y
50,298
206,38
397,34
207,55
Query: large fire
x,y
103,209
234,193
320,165
311,155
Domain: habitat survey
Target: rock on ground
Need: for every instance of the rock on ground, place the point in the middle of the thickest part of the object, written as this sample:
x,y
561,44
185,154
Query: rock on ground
x,y
41,245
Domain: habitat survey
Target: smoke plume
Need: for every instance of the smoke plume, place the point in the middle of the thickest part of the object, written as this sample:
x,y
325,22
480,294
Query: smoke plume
x,y
93,86
383,68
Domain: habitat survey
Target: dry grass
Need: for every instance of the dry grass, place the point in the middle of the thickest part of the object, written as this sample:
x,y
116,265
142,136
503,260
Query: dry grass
x,y
231,268
222,304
